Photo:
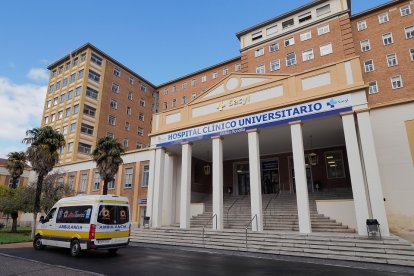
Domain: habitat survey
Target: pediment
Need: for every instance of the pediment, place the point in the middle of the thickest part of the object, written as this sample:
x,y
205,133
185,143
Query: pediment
x,y
235,83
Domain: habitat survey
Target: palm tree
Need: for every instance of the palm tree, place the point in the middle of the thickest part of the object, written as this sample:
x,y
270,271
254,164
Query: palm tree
x,y
43,156
16,162
107,156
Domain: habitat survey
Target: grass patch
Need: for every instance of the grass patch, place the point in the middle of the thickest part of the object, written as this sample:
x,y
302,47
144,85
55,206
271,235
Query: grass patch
x,y
22,235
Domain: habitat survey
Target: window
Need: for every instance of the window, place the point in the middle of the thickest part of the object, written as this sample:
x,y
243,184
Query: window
x,y
75,109
140,131
58,85
271,30
125,142
144,88
71,182
323,30
362,25
80,74
78,91
53,73
323,10
72,127
131,80
183,100
64,130
334,164
193,82
326,49
142,102
275,65
111,120
86,129
69,147
83,182
96,181
193,96
111,184
145,176
174,88
396,82
409,32
288,23
95,59
174,102
51,87
127,126
412,54
128,110
260,69
305,36
392,60
55,100
110,134
72,78
215,75
365,45
60,115
60,70
184,85
74,214
387,38
307,55
111,214
89,110
274,47
225,71
117,72
83,57
64,82
91,93
84,148
141,117
130,95
204,78
70,94
67,66
383,18
140,146
94,76
165,91
290,41
369,66
46,120
372,87
256,35
128,178
75,61
67,112
49,104
259,52
165,105
290,59
115,87
62,97
406,10
305,17
52,117
237,67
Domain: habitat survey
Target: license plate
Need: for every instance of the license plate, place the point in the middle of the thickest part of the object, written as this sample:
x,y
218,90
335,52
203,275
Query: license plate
x,y
103,241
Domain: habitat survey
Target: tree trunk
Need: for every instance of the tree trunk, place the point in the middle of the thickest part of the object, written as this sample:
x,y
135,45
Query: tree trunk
x,y
36,206
105,187
14,216
14,182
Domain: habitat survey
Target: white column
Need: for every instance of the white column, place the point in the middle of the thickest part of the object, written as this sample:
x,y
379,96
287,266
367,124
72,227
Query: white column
x,y
355,170
158,188
185,185
167,207
255,179
302,196
150,191
218,182
372,171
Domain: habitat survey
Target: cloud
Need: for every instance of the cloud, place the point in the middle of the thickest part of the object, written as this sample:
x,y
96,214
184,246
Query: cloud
x,y
44,61
38,74
21,107
6,150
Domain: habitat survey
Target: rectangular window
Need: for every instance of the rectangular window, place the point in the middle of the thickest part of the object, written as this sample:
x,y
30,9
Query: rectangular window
x,y
365,45
142,102
183,100
225,71
113,104
392,60
126,142
71,182
60,70
193,82
274,47
75,109
383,18
334,164
75,61
69,147
55,100
67,112
72,128
305,17
117,72
94,76
406,10
289,42
78,91
95,59
110,134
89,110
115,87
64,130
91,93
215,74
74,214
80,74
49,104
67,66
140,131
184,85
51,87
165,91
409,32
271,30
174,102
165,105
127,126
129,110
128,178
139,146
396,82
204,78
131,80
130,95
111,184
58,85
288,23
387,39
305,36
412,54
307,55
193,96
174,88
60,115
256,35
65,82
84,148
46,120
323,30
62,98
237,67
72,78
115,214
86,129
372,87
83,57
369,66
275,65
362,25
111,120
70,94
53,73
326,49
141,117
259,52
290,59
145,176
83,182
323,10
260,69
52,117
144,88
96,181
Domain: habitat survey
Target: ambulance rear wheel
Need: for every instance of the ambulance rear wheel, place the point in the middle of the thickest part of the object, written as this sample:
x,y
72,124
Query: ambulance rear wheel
x,y
75,248
37,243
112,251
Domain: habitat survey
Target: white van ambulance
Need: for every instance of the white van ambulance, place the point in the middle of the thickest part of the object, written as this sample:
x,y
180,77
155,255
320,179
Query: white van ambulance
x,y
85,222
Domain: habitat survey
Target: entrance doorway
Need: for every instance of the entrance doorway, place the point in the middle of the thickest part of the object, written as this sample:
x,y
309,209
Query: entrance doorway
x,y
243,179
309,177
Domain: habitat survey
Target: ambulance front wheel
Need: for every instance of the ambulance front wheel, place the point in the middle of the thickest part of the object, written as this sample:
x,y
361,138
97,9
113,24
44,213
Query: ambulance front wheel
x,y
75,248
37,243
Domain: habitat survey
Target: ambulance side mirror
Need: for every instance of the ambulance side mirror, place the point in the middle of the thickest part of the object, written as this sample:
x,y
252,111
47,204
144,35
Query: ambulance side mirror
x,y
42,219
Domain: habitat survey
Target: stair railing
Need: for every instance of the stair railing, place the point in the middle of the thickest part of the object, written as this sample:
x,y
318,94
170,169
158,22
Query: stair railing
x,y
250,222
231,206
204,226
268,204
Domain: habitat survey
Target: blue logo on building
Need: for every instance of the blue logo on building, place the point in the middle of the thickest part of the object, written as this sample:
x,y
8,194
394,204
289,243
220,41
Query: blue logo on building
x,y
331,103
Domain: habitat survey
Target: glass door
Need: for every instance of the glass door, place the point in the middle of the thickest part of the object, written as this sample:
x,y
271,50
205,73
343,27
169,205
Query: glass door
x,y
309,177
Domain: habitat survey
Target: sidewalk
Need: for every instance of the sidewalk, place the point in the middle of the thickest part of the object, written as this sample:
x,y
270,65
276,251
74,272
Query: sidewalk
x,y
16,245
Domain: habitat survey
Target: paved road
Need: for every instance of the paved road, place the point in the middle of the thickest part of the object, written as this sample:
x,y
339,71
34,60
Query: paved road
x,y
166,261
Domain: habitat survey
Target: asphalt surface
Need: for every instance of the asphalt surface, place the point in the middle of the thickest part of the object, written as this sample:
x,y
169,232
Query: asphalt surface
x,y
143,260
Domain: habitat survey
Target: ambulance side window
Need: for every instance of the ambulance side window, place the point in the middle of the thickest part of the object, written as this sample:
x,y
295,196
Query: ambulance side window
x,y
74,214
110,214
50,215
